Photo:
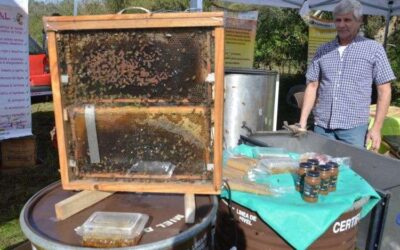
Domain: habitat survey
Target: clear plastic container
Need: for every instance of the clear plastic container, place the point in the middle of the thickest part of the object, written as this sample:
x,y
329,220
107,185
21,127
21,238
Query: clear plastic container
x,y
112,229
261,152
277,165
153,168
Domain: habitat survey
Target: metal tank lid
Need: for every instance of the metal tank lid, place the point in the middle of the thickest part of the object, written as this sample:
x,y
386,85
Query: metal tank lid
x,y
250,71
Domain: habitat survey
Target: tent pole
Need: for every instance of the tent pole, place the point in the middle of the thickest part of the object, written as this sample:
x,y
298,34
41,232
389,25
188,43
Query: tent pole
x,y
196,5
388,17
386,29
76,2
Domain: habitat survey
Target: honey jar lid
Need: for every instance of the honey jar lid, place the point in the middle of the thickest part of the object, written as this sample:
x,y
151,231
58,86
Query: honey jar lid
x,y
324,167
313,173
332,164
313,161
305,165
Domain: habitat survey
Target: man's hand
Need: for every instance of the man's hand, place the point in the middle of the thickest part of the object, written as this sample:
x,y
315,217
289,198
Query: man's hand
x,y
373,139
382,106
295,129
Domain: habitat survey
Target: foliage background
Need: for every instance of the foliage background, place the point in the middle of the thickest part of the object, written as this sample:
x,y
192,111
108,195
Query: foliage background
x,y
394,56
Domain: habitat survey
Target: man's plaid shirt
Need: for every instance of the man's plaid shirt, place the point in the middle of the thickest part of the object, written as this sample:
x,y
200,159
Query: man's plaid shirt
x,y
345,83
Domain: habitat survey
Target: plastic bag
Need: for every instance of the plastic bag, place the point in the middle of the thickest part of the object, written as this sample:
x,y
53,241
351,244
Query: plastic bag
x,y
152,168
342,161
262,152
238,151
276,165
278,184
322,158
257,174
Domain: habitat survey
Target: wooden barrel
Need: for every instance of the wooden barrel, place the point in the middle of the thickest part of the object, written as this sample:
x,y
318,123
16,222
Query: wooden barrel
x,y
166,228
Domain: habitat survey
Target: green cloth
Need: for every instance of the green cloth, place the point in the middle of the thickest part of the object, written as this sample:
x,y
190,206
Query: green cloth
x,y
298,222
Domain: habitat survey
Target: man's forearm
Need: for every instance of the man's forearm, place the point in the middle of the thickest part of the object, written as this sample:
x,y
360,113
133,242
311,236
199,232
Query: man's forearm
x,y
310,95
382,105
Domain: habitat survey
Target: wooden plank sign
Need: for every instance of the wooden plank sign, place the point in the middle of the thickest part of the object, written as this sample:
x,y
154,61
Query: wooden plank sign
x,y
138,101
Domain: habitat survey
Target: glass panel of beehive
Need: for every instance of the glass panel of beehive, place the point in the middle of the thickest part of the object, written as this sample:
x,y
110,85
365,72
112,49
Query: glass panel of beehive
x,y
149,65
144,94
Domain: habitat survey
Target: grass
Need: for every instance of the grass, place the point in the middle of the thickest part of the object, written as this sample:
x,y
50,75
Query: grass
x,y
19,185
10,234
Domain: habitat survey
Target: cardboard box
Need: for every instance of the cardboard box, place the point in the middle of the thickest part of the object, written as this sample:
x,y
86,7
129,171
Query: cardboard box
x,y
18,152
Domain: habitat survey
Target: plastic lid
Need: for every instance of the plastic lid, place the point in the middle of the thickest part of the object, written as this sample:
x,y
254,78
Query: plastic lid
x,y
123,225
305,165
313,173
324,167
332,164
313,161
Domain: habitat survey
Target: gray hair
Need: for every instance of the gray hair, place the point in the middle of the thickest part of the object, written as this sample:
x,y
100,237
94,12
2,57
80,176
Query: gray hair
x,y
349,6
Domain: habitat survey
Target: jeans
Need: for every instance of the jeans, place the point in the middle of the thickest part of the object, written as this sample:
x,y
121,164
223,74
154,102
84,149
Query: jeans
x,y
354,136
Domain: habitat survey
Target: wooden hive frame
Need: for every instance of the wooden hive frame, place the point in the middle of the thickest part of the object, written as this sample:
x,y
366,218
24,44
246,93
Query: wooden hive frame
x,y
213,20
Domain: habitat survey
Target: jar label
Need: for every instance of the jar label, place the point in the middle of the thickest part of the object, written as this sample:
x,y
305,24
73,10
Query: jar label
x,y
300,181
333,181
311,191
325,184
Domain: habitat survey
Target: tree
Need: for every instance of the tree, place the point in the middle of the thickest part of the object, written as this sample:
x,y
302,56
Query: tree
x,y
282,38
38,9
393,52
155,6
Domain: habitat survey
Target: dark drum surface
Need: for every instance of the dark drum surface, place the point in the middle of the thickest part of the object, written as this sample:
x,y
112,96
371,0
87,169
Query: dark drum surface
x,y
256,234
166,212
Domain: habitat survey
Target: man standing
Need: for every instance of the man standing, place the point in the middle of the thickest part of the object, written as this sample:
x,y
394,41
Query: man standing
x,y
339,82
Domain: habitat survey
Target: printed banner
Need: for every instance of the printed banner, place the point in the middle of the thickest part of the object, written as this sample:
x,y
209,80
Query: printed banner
x,y
15,102
240,38
319,32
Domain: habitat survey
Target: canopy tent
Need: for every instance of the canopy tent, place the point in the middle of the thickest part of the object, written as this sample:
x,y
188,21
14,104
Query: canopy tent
x,y
370,7
275,3
387,8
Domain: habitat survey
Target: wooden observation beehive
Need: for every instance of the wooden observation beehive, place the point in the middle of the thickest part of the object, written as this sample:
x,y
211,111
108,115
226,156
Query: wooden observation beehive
x,y
138,101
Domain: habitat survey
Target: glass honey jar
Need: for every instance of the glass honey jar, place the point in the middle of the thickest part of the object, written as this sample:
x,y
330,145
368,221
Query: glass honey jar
x,y
325,174
314,163
312,183
304,167
334,169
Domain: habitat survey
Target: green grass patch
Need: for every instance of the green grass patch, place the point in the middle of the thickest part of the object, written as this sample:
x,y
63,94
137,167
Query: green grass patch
x,y
11,234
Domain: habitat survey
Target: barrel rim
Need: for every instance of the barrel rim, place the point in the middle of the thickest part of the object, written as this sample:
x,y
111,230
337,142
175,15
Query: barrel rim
x,y
34,238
